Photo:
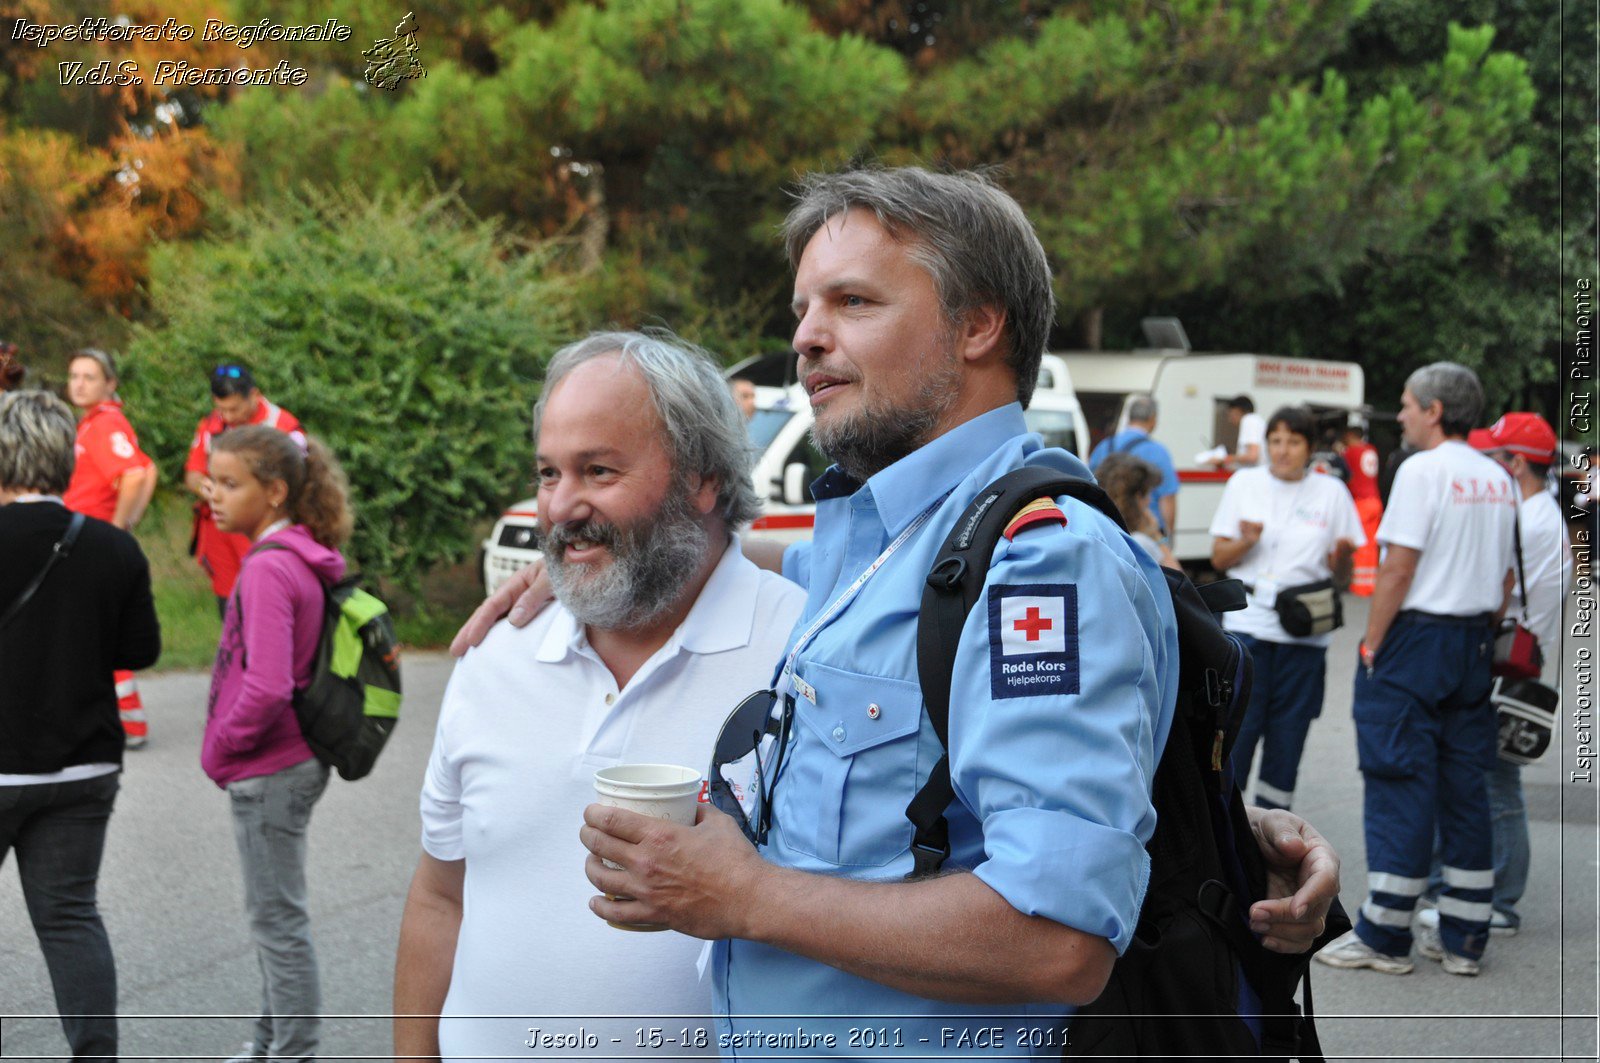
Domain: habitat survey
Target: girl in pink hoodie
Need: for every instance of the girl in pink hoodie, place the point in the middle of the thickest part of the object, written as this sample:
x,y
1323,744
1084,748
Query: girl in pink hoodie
x,y
293,504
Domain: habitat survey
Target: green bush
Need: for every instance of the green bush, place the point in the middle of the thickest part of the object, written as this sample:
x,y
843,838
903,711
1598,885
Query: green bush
x,y
401,330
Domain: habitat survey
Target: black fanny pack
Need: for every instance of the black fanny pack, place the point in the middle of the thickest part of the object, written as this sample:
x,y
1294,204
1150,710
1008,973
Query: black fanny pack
x,y
1308,609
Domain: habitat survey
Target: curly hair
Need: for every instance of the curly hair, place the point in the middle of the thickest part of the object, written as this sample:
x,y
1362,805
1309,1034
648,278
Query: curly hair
x,y
1125,478
319,494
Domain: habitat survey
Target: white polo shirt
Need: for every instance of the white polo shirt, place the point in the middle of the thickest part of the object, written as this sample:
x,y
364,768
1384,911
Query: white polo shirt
x,y
1547,562
1458,508
527,719
1300,521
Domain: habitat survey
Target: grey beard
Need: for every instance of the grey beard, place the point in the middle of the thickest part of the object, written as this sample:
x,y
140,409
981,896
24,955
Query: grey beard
x,y
875,438
651,562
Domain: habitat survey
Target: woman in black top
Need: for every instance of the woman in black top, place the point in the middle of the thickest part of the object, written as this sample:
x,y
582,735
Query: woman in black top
x,y
60,738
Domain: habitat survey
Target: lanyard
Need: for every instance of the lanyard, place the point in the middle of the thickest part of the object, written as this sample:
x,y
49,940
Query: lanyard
x,y
786,674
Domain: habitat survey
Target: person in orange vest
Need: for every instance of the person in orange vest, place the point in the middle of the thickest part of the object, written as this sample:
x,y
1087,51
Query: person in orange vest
x,y
235,401
112,480
1361,458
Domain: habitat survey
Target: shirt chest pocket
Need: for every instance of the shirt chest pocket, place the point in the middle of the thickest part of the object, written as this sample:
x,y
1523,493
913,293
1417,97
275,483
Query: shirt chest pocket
x,y
853,768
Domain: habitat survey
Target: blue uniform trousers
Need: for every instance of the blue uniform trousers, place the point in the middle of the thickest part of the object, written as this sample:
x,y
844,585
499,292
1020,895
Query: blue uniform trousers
x,y
1425,735
1285,696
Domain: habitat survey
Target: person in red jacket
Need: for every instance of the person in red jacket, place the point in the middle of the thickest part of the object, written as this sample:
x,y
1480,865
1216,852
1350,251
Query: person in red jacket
x,y
1362,459
112,480
236,402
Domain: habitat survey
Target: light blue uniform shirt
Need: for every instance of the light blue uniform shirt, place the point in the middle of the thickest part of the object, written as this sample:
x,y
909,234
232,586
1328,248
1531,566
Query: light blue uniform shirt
x,y
1052,791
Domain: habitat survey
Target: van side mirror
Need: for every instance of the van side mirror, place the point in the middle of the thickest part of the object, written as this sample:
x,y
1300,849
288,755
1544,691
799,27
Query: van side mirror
x,y
794,483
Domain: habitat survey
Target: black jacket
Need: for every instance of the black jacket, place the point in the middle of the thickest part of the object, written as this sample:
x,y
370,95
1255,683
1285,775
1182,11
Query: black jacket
x,y
92,615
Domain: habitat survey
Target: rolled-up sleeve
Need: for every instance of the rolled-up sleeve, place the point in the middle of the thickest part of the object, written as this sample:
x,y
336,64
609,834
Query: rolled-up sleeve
x,y
1061,781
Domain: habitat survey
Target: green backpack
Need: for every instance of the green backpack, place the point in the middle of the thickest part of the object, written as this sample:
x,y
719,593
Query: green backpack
x,y
353,701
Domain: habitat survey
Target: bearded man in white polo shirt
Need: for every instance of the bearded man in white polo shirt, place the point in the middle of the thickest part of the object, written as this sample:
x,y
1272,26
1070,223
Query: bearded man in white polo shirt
x,y
1425,731
661,625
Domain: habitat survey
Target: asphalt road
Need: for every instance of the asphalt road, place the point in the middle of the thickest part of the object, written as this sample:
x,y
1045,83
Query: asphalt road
x,y
171,897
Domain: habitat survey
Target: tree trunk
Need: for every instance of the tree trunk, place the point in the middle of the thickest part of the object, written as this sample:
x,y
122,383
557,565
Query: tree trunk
x,y
596,223
1093,320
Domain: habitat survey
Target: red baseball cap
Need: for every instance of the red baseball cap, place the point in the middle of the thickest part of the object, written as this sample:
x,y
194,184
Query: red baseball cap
x,y
1527,434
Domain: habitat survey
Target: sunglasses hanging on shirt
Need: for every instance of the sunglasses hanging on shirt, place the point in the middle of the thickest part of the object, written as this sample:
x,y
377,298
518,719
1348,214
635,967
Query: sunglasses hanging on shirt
x,y
747,759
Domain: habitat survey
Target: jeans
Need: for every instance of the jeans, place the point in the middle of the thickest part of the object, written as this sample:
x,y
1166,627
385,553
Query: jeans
x,y
1508,822
59,833
270,815
1285,696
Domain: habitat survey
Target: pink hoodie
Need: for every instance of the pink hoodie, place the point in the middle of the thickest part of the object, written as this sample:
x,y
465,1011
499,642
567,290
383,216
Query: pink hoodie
x,y
265,655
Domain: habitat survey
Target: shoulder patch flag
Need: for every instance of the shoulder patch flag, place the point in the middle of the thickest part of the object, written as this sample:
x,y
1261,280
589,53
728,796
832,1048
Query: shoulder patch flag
x,y
1033,640
1039,511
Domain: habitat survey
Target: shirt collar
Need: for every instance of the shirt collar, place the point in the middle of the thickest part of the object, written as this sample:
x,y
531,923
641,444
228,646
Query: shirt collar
x,y
722,617
38,498
910,485
272,529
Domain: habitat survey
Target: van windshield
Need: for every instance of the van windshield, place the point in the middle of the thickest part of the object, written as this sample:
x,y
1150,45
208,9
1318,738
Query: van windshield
x,y
765,426
1056,427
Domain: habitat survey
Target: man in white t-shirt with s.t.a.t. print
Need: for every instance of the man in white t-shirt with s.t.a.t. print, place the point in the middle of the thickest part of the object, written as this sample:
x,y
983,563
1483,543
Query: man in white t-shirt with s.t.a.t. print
x,y
1425,730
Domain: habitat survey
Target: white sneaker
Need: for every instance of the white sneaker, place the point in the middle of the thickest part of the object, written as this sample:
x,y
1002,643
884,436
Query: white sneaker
x,y
1350,951
249,1055
1430,945
1498,923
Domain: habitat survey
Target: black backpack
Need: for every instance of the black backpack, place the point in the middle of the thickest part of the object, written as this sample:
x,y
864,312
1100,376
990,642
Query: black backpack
x,y
1193,971
353,701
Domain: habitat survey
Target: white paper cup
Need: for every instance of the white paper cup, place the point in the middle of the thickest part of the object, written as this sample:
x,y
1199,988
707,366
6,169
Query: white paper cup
x,y
661,791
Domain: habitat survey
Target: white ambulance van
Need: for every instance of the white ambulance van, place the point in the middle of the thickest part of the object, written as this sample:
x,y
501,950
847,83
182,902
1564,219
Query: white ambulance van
x,y
788,462
1192,391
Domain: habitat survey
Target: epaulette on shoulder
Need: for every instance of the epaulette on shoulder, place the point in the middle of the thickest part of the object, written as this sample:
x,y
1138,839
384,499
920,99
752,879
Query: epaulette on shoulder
x,y
1039,511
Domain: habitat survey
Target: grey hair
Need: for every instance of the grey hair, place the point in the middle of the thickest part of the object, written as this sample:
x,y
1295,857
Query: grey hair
x,y
706,435
965,230
37,435
1456,388
95,354
1143,408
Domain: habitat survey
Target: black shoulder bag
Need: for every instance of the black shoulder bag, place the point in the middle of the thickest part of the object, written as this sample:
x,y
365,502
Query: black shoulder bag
x,y
59,551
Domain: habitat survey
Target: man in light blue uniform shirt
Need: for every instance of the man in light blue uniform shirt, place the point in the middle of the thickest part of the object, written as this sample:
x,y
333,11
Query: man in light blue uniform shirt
x,y
1135,439
924,303
1053,791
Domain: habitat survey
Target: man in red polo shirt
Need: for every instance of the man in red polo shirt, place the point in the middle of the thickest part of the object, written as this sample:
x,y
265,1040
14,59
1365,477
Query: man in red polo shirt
x,y
235,401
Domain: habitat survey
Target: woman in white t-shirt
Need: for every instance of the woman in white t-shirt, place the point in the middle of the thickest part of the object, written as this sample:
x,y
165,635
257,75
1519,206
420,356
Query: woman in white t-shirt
x,y
1278,526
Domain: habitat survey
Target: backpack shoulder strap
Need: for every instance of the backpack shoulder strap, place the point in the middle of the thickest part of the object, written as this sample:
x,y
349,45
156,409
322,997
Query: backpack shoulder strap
x,y
62,548
954,584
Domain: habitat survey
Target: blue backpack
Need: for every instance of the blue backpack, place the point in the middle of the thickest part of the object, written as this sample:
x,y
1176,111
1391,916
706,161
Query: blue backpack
x,y
1194,983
